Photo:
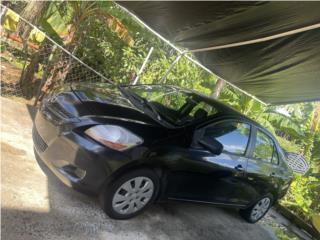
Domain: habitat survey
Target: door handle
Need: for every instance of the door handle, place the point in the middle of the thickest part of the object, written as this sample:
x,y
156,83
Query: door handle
x,y
239,168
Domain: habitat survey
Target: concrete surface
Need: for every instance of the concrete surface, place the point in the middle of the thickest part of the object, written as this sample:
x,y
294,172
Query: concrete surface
x,y
35,206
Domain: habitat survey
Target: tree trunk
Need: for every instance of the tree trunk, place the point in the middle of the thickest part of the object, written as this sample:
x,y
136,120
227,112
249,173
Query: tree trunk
x,y
27,80
58,73
33,13
218,88
314,128
61,68
316,119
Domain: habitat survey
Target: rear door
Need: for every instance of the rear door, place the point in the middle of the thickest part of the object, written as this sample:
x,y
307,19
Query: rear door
x,y
262,165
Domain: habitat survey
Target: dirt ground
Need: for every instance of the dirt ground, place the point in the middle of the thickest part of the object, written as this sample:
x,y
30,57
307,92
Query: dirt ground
x,y
35,206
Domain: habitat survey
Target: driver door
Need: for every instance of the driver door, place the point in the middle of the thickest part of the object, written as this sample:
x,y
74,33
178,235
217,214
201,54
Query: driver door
x,y
218,179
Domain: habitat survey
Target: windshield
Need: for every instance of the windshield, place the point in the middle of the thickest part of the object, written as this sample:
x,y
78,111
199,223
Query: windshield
x,y
173,104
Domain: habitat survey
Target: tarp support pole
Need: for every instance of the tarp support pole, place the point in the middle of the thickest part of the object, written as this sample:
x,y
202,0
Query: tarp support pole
x,y
143,66
258,40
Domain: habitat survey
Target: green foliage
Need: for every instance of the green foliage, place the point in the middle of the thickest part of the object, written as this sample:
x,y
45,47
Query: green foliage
x,y
10,20
288,146
283,234
303,196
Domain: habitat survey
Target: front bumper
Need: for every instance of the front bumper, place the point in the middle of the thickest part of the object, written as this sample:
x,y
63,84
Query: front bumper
x,y
77,161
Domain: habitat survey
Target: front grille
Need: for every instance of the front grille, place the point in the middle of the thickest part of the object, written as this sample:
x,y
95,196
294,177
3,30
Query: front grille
x,y
38,141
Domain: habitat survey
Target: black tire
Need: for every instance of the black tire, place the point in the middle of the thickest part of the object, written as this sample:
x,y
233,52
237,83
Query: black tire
x,y
247,213
107,194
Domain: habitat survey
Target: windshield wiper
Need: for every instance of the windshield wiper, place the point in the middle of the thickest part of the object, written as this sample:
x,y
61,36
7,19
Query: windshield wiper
x,y
144,102
151,107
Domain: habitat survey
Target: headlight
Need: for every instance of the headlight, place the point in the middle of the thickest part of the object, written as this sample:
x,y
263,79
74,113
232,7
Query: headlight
x,y
114,137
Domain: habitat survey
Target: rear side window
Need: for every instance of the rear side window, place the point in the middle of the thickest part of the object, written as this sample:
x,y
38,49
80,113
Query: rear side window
x,y
264,146
234,136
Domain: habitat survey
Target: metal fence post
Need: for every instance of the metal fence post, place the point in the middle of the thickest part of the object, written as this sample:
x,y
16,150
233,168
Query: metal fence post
x,y
143,66
171,67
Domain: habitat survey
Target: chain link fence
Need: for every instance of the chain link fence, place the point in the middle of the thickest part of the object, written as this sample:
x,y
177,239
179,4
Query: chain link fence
x,y
33,64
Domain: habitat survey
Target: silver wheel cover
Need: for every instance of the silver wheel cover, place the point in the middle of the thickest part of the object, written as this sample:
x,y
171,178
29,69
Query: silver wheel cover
x,y
133,195
260,208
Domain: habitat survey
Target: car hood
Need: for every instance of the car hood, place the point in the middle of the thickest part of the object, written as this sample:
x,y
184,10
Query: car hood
x,y
83,108
91,100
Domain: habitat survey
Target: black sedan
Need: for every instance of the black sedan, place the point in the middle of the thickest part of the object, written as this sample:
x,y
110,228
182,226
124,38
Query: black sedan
x,y
133,145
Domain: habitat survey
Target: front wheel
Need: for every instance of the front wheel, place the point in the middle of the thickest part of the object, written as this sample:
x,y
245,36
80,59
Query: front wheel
x,y
257,211
130,194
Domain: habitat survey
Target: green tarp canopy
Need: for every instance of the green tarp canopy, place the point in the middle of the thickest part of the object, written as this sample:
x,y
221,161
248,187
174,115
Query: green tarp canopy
x,y
268,49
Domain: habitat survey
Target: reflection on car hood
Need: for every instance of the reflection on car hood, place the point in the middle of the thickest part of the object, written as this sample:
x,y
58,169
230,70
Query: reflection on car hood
x,y
101,92
106,101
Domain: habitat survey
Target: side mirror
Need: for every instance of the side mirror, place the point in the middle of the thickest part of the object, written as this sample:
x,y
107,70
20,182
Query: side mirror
x,y
212,145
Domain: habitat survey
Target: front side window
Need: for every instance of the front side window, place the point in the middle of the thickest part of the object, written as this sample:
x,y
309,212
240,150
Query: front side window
x,y
234,136
263,149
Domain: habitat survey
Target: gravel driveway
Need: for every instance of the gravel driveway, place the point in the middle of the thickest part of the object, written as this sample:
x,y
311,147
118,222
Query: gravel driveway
x,y
35,206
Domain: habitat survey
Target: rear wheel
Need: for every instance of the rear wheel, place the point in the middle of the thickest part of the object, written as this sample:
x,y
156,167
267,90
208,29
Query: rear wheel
x,y
130,194
257,211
